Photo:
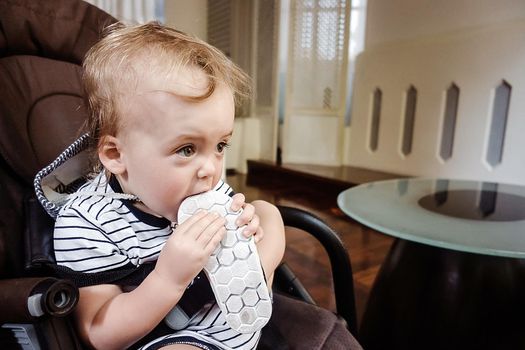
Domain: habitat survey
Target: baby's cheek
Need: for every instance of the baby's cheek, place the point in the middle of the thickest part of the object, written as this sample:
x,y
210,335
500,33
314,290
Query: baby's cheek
x,y
169,205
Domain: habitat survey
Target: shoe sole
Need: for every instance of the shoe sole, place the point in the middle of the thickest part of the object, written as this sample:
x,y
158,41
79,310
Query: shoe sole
x,y
234,269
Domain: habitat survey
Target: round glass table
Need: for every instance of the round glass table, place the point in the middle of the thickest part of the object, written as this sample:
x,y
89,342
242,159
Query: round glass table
x,y
455,276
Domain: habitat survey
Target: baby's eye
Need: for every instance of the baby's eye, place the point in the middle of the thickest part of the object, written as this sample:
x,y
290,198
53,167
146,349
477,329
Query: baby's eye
x,y
186,151
221,146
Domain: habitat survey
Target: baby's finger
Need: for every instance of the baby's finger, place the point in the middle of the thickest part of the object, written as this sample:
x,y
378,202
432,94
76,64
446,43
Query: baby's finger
x,y
182,228
251,227
211,230
238,201
259,235
215,240
247,215
200,224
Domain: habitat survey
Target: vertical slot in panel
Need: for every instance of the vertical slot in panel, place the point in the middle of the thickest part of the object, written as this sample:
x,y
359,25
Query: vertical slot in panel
x,y
376,116
402,187
487,199
449,122
408,125
441,192
500,111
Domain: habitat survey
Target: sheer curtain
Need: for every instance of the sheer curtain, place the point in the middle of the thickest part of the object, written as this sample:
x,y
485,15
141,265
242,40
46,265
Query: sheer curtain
x,y
132,11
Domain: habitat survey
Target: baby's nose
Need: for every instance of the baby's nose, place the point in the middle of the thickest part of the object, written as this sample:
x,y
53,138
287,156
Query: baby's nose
x,y
207,168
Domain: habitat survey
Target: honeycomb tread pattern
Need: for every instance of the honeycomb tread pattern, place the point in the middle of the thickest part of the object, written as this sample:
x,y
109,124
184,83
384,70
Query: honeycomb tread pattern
x,y
234,268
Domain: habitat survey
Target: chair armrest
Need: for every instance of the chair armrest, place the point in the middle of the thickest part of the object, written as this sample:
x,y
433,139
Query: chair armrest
x,y
338,255
26,299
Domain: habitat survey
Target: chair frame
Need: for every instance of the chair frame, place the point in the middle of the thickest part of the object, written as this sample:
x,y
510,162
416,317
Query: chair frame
x,y
339,261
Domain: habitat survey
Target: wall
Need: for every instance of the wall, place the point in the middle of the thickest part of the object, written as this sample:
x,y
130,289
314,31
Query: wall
x,y
245,143
187,16
477,45
394,20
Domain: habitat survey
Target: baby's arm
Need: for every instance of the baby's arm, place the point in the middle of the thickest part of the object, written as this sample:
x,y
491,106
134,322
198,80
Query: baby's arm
x,y
111,319
271,248
107,318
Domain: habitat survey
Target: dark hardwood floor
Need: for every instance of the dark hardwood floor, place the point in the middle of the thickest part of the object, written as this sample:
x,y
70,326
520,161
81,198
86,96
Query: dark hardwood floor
x,y
306,257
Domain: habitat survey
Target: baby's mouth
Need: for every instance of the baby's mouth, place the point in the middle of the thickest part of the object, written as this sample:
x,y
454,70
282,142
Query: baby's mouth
x,y
199,192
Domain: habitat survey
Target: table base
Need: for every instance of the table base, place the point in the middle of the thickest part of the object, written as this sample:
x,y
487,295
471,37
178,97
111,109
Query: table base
x,y
433,298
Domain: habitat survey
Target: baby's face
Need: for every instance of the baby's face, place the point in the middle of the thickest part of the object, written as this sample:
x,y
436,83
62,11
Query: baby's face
x,y
173,148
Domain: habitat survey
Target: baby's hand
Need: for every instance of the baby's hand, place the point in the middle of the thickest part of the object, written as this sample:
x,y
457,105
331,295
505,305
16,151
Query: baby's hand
x,y
247,217
190,246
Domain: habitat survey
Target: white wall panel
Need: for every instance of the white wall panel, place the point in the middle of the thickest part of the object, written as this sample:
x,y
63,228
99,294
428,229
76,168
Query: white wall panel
x,y
395,20
477,61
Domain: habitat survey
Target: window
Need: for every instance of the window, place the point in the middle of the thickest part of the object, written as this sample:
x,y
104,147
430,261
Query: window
x,y
317,53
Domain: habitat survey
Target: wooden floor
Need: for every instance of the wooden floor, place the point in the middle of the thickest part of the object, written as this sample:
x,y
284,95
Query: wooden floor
x,y
367,248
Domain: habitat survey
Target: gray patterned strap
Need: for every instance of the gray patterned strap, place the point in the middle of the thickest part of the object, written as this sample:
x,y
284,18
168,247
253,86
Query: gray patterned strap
x,y
75,148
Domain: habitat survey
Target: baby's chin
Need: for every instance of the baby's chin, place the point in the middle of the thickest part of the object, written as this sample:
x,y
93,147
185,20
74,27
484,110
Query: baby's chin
x,y
170,217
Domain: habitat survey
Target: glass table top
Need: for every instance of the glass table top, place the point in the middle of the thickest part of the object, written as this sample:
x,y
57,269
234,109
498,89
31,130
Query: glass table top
x,y
470,216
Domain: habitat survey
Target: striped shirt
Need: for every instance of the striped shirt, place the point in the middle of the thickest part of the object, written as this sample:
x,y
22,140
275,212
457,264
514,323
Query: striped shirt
x,y
96,231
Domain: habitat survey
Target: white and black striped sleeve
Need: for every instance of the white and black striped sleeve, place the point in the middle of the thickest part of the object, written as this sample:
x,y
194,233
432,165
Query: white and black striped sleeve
x,y
83,245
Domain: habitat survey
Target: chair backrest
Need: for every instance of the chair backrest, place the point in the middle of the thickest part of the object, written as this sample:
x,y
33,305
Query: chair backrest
x,y
42,44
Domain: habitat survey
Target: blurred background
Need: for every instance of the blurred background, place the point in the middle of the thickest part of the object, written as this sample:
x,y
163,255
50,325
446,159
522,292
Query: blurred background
x,y
411,87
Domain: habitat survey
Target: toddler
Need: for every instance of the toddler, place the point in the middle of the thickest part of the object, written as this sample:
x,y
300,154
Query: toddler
x,y
161,108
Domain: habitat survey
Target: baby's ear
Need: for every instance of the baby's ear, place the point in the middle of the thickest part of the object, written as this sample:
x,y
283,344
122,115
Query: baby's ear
x,y
110,155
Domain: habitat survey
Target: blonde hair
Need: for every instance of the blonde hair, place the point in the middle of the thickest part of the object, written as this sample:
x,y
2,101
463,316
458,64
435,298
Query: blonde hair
x,y
115,65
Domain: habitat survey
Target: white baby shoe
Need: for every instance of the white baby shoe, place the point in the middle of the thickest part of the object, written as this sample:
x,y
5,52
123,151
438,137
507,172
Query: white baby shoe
x,y
234,269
